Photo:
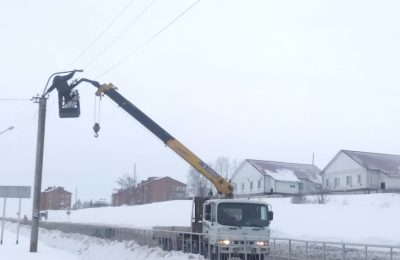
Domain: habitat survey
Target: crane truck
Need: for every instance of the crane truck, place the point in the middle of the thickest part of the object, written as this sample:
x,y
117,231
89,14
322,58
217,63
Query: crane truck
x,y
221,227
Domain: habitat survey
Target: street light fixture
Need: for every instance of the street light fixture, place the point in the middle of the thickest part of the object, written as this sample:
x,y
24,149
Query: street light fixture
x,y
8,129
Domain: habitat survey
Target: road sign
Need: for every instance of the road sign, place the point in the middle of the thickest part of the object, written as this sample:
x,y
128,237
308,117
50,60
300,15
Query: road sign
x,y
19,192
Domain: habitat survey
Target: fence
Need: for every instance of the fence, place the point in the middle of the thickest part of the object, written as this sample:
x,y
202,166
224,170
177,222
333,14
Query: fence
x,y
277,249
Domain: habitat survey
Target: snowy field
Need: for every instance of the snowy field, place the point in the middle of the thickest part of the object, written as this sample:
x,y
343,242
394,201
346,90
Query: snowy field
x,y
369,219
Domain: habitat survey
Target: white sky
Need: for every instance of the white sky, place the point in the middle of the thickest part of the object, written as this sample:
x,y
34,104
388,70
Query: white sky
x,y
269,80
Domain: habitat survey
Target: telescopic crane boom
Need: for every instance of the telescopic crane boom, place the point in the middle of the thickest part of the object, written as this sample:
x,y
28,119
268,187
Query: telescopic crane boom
x,y
221,184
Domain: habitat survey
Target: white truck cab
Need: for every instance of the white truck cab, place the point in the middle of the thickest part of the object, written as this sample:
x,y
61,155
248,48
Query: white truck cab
x,y
237,225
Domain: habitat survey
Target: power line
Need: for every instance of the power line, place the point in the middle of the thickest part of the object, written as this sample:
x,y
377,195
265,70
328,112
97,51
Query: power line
x,y
21,134
149,40
102,33
121,34
15,99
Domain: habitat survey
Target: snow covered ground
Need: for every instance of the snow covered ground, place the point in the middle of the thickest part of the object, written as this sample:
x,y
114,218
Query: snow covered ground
x,y
371,218
57,245
11,251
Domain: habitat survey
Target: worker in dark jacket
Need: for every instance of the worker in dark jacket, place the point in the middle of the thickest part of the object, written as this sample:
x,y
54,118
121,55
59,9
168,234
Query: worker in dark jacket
x,y
61,84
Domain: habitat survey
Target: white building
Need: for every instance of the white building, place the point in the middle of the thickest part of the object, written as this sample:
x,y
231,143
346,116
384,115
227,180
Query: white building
x,y
352,170
266,177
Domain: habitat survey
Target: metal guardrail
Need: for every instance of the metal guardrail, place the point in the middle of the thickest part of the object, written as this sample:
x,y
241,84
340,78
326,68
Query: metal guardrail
x,y
297,249
279,248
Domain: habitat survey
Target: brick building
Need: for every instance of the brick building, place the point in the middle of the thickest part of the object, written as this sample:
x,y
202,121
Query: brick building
x,y
55,198
154,189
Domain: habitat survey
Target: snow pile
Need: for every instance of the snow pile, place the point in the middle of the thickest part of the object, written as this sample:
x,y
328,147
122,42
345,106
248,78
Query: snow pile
x,y
9,250
85,248
169,213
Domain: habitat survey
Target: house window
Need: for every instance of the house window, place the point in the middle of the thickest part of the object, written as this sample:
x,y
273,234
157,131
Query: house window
x,y
337,181
292,186
242,186
300,186
359,179
349,180
259,184
327,182
251,185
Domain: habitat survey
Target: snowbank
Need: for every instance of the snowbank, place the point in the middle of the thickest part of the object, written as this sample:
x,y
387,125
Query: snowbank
x,y
366,218
77,246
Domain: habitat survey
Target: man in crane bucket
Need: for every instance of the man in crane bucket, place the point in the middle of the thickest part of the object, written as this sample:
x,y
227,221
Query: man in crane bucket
x,y
61,84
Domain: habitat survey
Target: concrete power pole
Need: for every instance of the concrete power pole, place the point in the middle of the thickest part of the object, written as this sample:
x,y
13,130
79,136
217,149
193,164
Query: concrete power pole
x,y
38,172
42,100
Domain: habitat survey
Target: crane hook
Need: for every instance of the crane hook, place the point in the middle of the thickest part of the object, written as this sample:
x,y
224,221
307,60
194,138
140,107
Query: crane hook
x,y
96,129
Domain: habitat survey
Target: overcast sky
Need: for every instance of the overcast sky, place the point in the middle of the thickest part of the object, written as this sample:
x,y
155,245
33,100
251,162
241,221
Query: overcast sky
x,y
268,80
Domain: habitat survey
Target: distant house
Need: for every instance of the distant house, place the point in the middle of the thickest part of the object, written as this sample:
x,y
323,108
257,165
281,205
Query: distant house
x,y
256,177
123,197
54,198
154,189
354,170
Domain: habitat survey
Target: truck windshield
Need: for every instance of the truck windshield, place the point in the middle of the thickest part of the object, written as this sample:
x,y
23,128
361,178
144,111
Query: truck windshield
x,y
242,214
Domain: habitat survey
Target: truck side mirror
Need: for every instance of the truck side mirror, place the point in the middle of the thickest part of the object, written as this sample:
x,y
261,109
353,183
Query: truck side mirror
x,y
270,215
207,209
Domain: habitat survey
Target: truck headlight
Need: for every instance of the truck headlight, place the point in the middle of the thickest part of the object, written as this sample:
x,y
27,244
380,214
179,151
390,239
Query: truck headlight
x,y
224,242
262,243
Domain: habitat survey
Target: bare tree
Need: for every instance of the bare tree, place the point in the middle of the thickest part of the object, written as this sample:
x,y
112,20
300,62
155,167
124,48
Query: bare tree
x,y
126,182
225,167
322,191
198,185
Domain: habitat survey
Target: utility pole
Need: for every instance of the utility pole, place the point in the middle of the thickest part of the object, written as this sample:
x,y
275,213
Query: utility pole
x,y
38,172
42,100
312,162
76,195
134,176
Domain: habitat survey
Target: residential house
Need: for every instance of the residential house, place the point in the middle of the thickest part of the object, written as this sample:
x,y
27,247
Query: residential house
x,y
256,177
54,198
362,171
154,189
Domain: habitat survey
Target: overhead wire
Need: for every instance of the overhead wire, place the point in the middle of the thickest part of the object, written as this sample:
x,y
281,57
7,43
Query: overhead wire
x,y
144,44
19,120
83,52
24,128
134,21
15,99
97,106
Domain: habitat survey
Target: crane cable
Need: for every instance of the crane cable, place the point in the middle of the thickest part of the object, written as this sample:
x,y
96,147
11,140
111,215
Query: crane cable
x,y
97,106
